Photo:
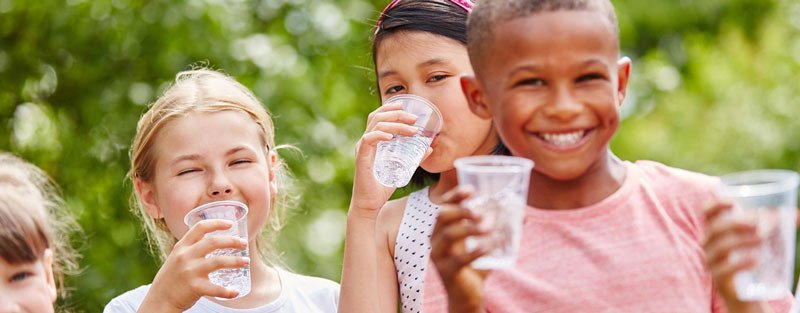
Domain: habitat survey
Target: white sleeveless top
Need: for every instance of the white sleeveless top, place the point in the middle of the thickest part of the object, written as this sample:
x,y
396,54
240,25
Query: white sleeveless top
x,y
412,248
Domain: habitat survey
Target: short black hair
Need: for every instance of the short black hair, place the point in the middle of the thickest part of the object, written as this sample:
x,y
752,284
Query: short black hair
x,y
487,14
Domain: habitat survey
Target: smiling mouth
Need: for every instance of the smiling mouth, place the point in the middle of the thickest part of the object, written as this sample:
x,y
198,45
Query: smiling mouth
x,y
564,139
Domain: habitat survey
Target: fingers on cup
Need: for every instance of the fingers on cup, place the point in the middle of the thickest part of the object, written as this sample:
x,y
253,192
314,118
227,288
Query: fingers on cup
x,y
397,116
715,209
201,228
215,242
720,229
210,289
453,225
726,237
374,137
724,271
219,262
396,128
458,194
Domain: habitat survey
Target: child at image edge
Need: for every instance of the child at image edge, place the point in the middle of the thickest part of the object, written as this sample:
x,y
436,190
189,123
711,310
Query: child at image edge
x,y
600,234
208,139
34,239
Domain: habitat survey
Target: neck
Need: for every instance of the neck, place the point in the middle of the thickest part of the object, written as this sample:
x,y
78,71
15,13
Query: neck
x,y
600,181
447,180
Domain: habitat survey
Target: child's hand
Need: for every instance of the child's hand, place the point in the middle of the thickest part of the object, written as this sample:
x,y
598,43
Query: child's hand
x,y
382,124
455,223
723,236
183,278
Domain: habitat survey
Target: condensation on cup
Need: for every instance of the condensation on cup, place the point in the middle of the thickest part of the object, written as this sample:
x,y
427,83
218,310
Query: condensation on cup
x,y
397,159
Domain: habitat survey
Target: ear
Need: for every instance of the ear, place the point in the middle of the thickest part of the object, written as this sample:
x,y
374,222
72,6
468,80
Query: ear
x,y
623,76
272,159
146,193
47,262
475,95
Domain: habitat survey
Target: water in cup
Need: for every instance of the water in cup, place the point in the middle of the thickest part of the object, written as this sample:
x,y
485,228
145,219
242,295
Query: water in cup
x,y
501,213
397,160
768,198
501,192
233,278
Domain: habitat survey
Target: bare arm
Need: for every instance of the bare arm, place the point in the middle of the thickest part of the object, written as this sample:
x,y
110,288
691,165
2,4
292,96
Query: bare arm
x,y
369,283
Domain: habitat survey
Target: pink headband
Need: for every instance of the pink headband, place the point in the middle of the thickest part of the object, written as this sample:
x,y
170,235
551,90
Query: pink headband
x,y
464,4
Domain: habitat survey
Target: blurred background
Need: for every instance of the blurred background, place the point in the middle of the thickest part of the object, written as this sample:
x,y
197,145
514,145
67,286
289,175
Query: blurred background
x,y
714,89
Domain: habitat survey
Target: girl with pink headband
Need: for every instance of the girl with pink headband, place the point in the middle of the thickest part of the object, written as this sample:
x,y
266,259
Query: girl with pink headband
x,y
419,47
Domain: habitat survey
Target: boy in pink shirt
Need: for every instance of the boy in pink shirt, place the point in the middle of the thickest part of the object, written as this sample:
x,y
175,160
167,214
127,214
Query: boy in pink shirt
x,y
600,234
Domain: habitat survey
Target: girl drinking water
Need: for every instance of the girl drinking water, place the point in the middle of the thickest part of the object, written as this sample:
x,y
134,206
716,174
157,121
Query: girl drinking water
x,y
419,48
209,139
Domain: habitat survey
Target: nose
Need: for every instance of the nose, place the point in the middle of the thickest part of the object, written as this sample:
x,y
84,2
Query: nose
x,y
220,185
564,106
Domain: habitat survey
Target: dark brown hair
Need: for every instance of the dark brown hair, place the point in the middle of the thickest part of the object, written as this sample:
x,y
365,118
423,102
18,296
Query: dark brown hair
x,y
438,17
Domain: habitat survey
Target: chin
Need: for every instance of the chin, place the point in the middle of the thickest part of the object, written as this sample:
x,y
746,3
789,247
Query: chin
x,y
435,167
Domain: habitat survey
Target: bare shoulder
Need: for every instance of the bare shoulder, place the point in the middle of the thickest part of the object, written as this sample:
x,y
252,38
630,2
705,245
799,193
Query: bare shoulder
x,y
389,219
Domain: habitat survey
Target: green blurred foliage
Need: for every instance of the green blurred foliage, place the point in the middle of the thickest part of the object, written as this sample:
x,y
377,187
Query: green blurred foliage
x,y
714,89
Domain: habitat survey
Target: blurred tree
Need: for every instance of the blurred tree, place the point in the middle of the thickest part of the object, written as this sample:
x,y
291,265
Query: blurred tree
x,y
713,90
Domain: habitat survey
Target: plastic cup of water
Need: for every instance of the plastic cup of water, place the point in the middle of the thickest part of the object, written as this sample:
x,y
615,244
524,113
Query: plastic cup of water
x,y
232,278
397,159
768,198
501,193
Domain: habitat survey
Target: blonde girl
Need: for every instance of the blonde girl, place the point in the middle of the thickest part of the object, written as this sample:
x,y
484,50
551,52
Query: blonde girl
x,y
206,139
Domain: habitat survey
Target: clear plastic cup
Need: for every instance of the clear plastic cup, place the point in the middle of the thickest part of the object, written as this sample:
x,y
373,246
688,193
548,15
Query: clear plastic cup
x,y
501,193
233,278
769,199
397,159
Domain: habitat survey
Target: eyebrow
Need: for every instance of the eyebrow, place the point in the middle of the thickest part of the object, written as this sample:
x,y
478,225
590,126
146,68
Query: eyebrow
x,y
193,157
430,62
535,68
532,68
591,62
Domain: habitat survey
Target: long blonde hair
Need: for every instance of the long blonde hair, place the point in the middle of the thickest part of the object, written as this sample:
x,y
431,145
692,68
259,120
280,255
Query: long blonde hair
x,y
203,90
33,218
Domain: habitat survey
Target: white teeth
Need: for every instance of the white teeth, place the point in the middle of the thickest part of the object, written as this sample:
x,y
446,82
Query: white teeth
x,y
564,139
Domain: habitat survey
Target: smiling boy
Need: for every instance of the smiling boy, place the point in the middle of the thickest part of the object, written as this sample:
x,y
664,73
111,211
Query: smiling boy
x,y
600,234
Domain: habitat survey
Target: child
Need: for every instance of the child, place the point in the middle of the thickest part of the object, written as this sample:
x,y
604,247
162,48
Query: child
x,y
208,139
419,48
34,249
600,234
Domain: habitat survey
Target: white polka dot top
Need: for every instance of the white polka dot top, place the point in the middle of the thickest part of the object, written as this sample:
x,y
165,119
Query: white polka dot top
x,y
412,249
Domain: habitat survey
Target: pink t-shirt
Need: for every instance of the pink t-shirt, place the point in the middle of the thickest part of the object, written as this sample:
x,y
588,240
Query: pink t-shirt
x,y
639,250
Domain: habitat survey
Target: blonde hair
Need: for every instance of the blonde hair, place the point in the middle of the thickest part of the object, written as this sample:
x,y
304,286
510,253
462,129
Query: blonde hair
x,y
203,90
32,219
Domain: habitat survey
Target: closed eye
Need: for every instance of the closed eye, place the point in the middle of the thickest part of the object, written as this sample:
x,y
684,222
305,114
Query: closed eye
x,y
187,171
241,161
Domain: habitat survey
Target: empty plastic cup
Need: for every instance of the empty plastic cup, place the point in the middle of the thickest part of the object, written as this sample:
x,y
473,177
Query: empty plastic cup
x,y
769,199
501,194
397,159
233,278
